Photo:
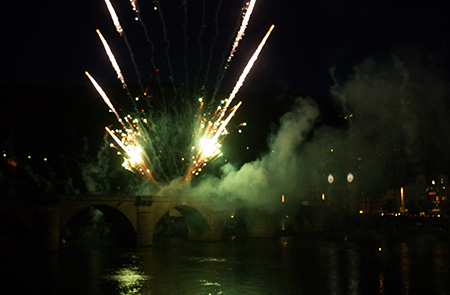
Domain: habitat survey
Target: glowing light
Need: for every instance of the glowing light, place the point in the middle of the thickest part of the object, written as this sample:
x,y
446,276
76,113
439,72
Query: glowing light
x,y
330,178
12,162
114,17
133,4
112,59
402,200
209,147
129,280
350,177
102,94
247,69
282,198
241,32
134,152
134,140
133,161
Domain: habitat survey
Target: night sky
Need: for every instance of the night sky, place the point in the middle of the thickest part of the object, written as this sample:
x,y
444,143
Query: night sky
x,y
53,43
347,55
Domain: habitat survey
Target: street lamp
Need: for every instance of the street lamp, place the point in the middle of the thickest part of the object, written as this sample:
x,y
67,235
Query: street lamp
x,y
350,177
330,178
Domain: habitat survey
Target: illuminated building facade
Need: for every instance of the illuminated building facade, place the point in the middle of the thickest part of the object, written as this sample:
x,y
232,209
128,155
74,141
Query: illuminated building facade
x,y
436,194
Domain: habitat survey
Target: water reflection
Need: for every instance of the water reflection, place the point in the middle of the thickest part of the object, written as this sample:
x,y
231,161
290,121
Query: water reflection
x,y
208,259
129,280
353,271
381,282
405,267
440,254
344,269
300,265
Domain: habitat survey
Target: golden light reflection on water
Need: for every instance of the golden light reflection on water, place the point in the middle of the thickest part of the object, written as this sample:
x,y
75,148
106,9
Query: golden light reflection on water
x,y
129,280
381,281
405,261
285,240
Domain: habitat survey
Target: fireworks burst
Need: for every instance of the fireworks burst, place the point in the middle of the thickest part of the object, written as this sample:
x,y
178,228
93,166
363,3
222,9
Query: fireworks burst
x,y
178,136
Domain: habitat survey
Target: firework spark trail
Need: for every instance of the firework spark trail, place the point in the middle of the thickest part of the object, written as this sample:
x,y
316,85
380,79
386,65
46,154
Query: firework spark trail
x,y
226,121
244,74
239,35
141,141
121,32
241,32
209,144
116,139
112,59
212,43
133,140
103,95
114,17
135,161
171,77
115,65
209,140
135,6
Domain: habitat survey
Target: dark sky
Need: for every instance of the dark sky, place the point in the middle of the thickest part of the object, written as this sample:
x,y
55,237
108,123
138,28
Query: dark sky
x,y
54,42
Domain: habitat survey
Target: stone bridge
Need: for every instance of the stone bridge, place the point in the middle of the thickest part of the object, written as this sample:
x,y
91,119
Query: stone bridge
x,y
46,216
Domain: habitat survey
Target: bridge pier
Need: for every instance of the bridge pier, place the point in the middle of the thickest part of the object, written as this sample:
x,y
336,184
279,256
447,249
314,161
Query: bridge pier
x,y
145,225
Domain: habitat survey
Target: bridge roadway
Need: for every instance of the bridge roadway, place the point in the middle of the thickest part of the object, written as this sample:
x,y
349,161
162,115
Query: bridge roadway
x,y
46,216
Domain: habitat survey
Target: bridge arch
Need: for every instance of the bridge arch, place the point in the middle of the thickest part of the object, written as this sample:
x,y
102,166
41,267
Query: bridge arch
x,y
99,224
48,217
180,221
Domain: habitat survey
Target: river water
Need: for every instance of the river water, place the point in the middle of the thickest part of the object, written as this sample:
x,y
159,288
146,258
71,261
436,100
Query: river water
x,y
300,265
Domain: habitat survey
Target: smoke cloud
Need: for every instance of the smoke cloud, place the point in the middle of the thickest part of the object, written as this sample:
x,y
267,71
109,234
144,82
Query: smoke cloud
x,y
400,109
264,180
393,127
